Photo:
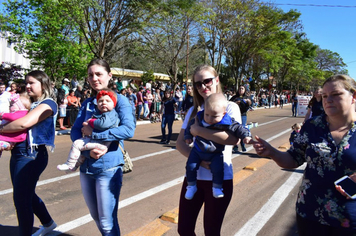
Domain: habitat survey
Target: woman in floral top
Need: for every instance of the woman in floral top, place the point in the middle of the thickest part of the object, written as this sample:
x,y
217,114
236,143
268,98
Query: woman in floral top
x,y
328,144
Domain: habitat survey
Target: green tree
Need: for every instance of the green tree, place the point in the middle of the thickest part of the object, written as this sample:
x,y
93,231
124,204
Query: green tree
x,y
164,38
255,30
298,66
329,63
108,26
51,40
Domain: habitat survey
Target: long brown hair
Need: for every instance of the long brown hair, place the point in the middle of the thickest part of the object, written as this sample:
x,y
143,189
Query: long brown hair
x,y
198,100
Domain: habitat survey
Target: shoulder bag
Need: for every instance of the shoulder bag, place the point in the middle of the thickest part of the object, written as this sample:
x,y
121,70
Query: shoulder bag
x,y
128,163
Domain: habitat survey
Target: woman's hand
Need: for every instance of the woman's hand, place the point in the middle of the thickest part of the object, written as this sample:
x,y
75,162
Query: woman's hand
x,y
263,148
341,190
195,128
87,130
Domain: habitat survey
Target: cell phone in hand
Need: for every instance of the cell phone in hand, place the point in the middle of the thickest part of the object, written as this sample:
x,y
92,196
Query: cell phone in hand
x,y
348,185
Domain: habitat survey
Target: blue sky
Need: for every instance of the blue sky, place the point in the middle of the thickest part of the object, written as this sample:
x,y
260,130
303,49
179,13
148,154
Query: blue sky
x,y
332,28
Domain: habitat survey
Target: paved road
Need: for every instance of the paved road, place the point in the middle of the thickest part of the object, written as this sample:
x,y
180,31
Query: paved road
x,y
262,203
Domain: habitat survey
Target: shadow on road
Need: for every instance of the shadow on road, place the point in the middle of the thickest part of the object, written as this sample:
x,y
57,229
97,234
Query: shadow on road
x,y
158,138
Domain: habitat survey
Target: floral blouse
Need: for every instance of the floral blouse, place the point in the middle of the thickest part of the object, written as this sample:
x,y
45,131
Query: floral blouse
x,y
318,200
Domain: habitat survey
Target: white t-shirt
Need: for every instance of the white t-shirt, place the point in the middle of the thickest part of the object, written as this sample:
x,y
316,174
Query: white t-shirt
x,y
5,99
204,174
5,102
148,86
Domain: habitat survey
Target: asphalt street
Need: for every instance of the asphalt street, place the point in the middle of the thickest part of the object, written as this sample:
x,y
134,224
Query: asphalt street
x,y
262,204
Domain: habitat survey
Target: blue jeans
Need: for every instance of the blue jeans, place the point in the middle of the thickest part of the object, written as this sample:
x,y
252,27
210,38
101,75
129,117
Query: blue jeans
x,y
294,108
146,111
25,172
167,119
139,110
179,108
101,193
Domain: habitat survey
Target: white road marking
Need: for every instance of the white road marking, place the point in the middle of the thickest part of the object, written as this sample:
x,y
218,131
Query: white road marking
x,y
124,203
256,223
270,122
47,181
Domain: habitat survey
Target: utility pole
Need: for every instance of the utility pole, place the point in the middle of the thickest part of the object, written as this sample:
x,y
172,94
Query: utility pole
x,y
187,58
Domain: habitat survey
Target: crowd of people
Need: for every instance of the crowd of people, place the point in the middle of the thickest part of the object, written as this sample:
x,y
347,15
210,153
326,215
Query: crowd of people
x,y
102,114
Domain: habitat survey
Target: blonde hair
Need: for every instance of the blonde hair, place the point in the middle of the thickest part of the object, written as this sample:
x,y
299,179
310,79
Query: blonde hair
x,y
198,100
296,126
348,82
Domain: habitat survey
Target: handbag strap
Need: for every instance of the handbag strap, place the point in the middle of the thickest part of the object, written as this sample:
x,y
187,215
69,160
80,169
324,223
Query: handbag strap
x,y
122,150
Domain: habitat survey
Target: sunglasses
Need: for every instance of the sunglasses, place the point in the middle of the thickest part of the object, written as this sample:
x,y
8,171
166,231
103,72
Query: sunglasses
x,y
207,83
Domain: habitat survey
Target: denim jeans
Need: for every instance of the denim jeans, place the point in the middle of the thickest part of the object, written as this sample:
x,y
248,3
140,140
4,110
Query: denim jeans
x,y
139,110
146,111
25,172
294,108
167,119
101,193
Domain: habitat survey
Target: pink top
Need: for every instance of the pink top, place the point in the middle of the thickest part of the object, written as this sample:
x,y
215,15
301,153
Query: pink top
x,y
18,136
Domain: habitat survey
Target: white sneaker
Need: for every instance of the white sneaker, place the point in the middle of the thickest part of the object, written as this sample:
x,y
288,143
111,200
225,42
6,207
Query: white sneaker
x,y
63,167
218,193
67,168
191,190
45,230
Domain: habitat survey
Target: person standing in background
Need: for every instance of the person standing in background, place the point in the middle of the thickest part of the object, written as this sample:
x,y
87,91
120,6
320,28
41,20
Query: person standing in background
x,y
315,106
74,83
188,101
241,96
65,86
168,107
133,101
294,100
139,102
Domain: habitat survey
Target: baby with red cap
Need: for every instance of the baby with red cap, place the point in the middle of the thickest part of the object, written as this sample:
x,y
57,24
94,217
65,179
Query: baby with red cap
x,y
104,118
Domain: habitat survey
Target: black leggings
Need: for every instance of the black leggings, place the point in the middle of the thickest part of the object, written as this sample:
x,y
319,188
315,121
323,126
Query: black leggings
x,y
214,208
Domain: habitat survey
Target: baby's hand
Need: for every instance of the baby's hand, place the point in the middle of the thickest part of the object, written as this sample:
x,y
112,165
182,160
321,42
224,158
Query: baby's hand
x,y
248,140
188,141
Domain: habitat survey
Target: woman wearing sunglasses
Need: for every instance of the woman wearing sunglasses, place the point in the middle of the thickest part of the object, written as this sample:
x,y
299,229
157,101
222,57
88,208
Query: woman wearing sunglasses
x,y
242,99
205,83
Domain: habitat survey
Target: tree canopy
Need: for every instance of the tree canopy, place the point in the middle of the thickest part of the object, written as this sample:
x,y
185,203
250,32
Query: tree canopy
x,y
240,38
